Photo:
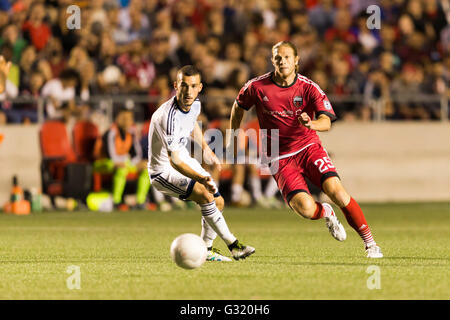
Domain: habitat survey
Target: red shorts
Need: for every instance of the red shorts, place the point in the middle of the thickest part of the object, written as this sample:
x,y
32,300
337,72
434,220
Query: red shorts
x,y
312,163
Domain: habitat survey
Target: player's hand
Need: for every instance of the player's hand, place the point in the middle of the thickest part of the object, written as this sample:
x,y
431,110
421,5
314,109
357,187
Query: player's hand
x,y
208,183
305,120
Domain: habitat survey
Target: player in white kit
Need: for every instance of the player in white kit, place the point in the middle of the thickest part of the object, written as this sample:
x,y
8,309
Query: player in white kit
x,y
175,173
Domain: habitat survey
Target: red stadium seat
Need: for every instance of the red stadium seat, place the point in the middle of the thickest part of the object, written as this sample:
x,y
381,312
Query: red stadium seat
x,y
85,134
57,153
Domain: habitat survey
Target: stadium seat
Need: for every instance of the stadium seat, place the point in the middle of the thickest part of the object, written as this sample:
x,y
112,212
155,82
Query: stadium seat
x,y
84,134
57,153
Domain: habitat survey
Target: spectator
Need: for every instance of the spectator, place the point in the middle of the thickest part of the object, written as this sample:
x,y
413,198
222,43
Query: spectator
x,y
35,28
120,153
133,22
28,112
12,37
159,50
139,71
61,93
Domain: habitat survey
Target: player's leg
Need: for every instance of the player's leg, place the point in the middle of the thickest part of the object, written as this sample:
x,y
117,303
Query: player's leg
x,y
143,186
119,178
295,191
214,218
209,235
255,185
237,184
270,193
334,189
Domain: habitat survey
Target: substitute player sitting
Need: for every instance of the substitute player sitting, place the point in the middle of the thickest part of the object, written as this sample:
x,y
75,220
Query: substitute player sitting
x,y
296,107
175,173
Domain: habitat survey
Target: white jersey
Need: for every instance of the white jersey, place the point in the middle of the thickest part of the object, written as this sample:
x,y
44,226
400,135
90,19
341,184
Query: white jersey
x,y
170,130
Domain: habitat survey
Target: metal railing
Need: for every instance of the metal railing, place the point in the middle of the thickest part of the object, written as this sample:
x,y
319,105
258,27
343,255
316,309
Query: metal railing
x,y
105,103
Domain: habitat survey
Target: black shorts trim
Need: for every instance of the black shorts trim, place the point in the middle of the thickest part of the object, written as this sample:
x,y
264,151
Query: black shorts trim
x,y
328,175
293,193
188,191
217,194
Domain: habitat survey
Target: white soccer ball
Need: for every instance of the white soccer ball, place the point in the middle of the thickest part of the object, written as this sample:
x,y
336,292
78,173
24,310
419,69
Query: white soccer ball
x,y
188,251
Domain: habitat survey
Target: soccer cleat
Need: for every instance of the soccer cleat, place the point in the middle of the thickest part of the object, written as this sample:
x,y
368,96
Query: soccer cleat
x,y
374,252
240,251
215,255
334,226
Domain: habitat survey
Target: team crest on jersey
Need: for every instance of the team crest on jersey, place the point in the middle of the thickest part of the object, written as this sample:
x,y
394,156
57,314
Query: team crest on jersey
x,y
298,101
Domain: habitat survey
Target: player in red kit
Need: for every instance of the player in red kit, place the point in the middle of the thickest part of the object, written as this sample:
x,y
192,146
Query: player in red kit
x,y
297,108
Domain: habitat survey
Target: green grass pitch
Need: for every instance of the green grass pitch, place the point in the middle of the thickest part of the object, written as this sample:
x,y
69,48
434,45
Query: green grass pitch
x,y
126,256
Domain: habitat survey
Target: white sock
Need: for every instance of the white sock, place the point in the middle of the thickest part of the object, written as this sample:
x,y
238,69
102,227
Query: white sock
x,y
236,192
271,188
255,183
208,234
216,220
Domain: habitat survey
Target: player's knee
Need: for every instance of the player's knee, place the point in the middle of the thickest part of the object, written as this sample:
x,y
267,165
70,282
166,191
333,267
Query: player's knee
x,y
203,196
220,203
304,205
336,192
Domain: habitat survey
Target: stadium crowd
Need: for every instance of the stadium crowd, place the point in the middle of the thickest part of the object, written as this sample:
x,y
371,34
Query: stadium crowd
x,y
134,47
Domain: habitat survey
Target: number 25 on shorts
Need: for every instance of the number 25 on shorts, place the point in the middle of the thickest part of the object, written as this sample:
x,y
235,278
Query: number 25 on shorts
x,y
323,164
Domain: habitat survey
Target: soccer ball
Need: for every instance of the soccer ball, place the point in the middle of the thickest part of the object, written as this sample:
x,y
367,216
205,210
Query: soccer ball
x,y
188,251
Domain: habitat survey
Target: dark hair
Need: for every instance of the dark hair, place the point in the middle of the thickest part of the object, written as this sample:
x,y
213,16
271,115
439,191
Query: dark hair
x,y
69,74
189,70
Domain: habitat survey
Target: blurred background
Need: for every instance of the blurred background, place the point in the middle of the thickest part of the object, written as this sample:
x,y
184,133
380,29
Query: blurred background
x,y
388,86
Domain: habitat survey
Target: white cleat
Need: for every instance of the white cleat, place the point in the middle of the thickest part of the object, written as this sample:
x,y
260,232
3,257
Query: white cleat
x,y
334,226
374,252
215,255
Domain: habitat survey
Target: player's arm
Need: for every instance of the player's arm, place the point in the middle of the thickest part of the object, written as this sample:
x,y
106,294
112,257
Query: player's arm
x,y
208,154
322,123
237,113
178,164
4,70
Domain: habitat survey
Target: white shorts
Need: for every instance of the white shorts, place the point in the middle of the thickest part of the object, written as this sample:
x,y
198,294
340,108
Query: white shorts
x,y
172,183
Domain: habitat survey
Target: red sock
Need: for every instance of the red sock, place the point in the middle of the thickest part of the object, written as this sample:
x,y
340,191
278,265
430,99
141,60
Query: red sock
x,y
356,220
319,212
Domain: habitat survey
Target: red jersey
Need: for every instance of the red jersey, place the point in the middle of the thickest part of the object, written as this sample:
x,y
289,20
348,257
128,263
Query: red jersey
x,y
280,107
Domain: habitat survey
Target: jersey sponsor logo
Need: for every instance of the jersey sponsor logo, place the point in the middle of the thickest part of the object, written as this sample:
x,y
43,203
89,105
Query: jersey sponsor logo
x,y
284,113
298,101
